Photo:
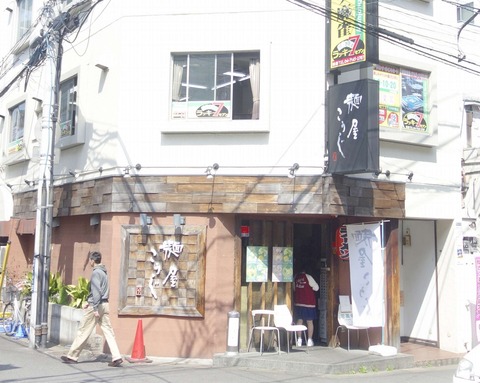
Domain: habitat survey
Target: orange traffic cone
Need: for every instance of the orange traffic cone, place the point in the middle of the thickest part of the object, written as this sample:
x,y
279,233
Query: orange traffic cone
x,y
138,351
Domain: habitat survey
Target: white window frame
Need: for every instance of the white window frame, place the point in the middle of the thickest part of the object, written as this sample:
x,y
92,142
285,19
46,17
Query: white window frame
x,y
169,126
71,115
185,109
472,120
67,112
16,142
24,19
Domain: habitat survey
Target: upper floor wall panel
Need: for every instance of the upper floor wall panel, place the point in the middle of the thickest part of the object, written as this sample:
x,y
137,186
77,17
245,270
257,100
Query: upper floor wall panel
x,y
123,64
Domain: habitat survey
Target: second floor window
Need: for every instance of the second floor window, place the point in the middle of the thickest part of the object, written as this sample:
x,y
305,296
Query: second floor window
x,y
68,107
216,86
24,17
17,115
17,128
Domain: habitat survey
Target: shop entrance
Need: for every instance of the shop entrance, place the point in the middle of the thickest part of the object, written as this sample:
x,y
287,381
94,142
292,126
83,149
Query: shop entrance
x,y
311,246
265,284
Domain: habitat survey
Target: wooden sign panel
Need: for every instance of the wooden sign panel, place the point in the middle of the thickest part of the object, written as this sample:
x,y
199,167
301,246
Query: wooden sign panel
x,y
163,272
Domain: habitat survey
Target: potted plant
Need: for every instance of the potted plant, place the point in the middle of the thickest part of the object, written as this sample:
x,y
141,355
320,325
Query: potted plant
x,y
78,293
65,318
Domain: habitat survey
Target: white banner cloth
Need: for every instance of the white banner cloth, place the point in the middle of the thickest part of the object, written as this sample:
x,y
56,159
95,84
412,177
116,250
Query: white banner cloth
x,y
366,274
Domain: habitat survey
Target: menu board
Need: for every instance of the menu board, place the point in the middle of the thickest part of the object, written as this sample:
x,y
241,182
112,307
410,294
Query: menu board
x,y
257,264
282,264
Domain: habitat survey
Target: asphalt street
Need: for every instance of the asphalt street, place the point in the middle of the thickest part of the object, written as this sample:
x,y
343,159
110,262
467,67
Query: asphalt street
x,y
19,363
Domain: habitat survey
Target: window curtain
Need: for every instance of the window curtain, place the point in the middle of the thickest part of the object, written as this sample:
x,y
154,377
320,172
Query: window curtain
x,y
177,81
255,84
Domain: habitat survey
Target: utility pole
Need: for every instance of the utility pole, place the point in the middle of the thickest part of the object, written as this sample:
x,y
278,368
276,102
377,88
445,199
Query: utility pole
x,y
43,231
51,42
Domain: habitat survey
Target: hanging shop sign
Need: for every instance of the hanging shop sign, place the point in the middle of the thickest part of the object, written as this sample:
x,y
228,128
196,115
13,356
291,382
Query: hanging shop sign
x,y
348,40
367,274
353,132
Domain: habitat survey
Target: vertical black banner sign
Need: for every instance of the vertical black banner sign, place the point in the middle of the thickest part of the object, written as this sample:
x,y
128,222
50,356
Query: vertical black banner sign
x,y
353,130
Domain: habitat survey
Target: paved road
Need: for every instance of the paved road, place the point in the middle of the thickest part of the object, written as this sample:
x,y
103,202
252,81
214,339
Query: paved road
x,y
19,363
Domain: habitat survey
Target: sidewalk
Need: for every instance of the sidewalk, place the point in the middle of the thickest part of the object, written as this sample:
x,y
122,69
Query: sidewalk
x,y
326,360
56,351
315,360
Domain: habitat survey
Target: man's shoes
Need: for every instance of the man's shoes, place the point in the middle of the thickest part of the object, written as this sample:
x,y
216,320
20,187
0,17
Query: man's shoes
x,y
309,343
299,342
115,363
66,359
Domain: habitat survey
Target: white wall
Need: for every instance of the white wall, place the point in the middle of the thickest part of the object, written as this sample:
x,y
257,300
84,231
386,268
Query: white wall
x,y
418,315
137,88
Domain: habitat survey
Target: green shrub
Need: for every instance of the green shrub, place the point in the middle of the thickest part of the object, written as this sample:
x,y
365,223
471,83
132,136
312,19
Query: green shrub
x,y
57,290
78,293
27,285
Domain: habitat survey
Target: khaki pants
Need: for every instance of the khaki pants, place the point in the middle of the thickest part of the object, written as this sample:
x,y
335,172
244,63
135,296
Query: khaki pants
x,y
87,325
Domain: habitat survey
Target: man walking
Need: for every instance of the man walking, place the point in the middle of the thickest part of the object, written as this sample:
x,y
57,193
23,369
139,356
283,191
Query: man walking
x,y
96,311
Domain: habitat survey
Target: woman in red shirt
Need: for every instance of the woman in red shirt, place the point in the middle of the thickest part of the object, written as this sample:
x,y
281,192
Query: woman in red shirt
x,y
305,303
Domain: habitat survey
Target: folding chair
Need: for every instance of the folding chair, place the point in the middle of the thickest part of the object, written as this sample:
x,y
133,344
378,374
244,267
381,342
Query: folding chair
x,y
284,319
345,319
259,317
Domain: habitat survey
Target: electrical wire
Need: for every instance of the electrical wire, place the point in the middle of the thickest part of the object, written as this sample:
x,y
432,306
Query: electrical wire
x,y
20,42
83,19
38,55
423,50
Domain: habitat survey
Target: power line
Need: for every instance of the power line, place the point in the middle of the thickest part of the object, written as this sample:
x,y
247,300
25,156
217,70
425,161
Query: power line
x,y
389,36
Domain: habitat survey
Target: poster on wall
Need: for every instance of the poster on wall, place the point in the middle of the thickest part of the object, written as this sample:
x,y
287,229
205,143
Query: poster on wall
x,y
257,264
390,91
403,102
202,110
470,245
414,101
282,264
366,274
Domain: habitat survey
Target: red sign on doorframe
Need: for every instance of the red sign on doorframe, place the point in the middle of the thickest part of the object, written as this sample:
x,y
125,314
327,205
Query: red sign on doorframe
x,y
341,243
245,231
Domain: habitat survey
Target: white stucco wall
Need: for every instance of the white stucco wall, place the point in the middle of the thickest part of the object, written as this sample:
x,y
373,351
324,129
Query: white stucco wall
x,y
125,111
418,315
136,43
